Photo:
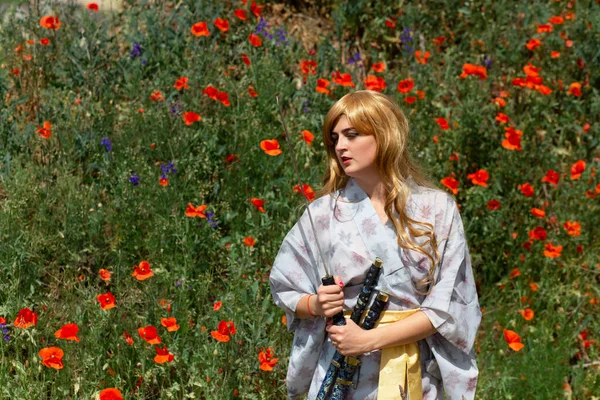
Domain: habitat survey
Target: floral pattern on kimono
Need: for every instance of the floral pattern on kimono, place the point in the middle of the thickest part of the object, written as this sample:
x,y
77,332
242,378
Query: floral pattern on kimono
x,y
351,235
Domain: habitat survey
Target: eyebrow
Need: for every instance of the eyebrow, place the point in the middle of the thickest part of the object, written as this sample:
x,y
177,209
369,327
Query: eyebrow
x,y
344,130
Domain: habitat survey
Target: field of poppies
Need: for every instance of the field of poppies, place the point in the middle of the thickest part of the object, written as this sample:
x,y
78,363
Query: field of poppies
x,y
146,183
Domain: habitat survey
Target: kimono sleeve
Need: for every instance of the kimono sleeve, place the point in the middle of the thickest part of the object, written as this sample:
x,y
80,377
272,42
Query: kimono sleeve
x,y
452,305
294,271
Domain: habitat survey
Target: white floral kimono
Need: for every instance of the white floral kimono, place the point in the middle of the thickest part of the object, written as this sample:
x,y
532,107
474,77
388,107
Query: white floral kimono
x,y
351,236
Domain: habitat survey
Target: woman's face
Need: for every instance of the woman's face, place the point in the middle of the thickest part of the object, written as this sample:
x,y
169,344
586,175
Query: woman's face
x,y
356,152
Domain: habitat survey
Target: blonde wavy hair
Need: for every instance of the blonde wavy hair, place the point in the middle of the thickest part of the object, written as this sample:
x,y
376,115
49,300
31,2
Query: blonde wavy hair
x,y
373,113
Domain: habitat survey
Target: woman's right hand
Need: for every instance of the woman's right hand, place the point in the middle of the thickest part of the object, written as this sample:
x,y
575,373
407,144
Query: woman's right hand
x,y
330,299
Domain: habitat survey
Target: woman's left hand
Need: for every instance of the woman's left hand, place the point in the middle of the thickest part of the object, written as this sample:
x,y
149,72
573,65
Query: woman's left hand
x,y
349,339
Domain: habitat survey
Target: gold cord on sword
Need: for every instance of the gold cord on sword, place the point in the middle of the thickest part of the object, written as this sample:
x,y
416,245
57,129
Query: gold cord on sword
x,y
287,138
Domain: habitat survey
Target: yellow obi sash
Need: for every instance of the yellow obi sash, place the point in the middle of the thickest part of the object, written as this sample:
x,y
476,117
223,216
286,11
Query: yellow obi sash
x,y
400,366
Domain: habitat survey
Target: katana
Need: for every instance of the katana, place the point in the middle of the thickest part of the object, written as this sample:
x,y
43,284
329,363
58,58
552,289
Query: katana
x,y
327,280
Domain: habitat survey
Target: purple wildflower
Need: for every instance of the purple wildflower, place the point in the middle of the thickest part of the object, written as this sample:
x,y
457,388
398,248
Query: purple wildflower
x,y
106,143
134,179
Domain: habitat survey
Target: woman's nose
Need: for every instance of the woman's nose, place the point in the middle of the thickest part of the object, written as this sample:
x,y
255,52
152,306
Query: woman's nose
x,y
342,143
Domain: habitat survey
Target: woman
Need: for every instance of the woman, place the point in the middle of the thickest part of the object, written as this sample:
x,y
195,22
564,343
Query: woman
x,y
376,203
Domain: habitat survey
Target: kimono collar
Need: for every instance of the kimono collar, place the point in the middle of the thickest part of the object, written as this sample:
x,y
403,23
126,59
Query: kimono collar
x,y
353,193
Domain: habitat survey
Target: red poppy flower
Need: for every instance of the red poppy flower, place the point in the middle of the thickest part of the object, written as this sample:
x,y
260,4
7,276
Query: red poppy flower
x,y
46,131
142,271
217,305
513,340
50,22
211,92
52,357
104,275
552,251
181,83
245,59
551,177
163,181
255,40
514,273
252,92
308,67
258,203
241,14
344,79
256,9
92,6
223,97
309,193
493,205
44,41
322,85
163,355
500,102
308,137
443,123
572,228
556,20
422,57
200,29
270,147
406,85
527,313
555,54
106,300
472,69
533,44
222,24
223,332
189,117
390,22
267,362
526,189
111,394
537,233
198,211
68,332
451,183
169,323
149,334
538,212
378,67
512,139
544,28
157,96
376,83
575,89
231,158
480,177
25,318
502,118
577,169
249,241
128,338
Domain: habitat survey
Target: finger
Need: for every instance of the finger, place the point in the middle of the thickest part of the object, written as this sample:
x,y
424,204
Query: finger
x,y
338,281
333,289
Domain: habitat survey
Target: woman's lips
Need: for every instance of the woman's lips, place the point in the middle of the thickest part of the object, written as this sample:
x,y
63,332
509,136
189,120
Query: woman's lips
x,y
346,160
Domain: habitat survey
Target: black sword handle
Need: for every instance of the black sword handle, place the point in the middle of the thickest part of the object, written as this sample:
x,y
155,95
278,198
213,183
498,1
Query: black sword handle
x,y
375,311
365,293
338,319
